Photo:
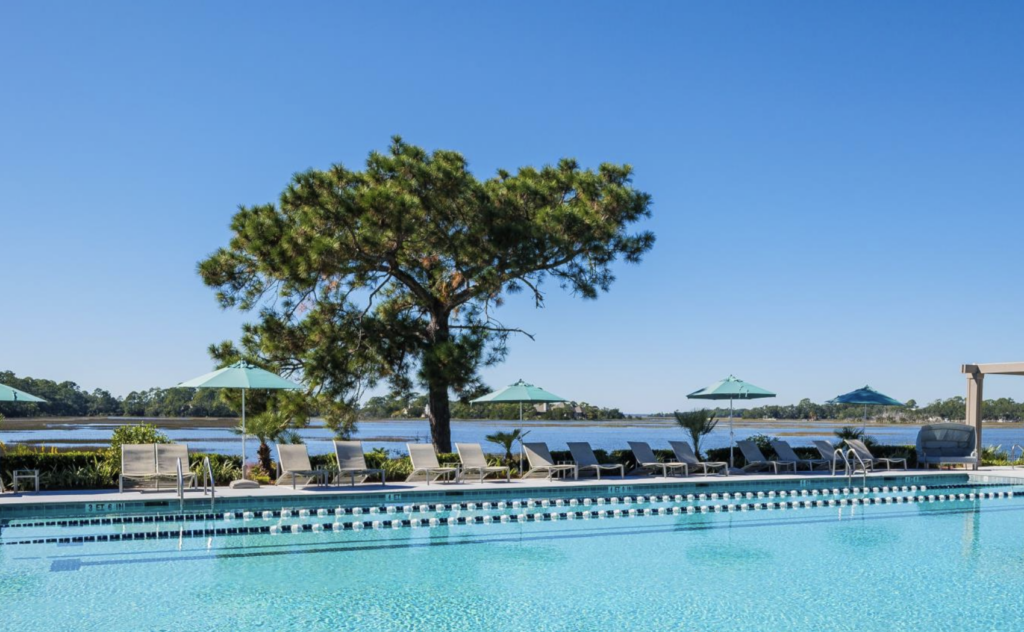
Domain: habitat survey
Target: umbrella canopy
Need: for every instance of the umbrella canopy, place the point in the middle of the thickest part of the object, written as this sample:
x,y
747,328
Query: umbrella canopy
x,y
11,394
244,376
868,397
241,375
520,392
731,388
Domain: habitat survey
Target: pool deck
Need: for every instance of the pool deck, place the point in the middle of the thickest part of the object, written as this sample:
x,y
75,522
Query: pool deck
x,y
22,499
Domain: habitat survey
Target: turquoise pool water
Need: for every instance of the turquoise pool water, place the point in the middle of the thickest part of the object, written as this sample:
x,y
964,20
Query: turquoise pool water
x,y
911,555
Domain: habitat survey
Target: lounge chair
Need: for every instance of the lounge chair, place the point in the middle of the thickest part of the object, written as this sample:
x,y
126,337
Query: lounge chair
x,y
425,465
647,460
685,454
138,463
293,464
167,455
540,460
586,460
863,455
786,453
834,455
756,460
352,461
473,460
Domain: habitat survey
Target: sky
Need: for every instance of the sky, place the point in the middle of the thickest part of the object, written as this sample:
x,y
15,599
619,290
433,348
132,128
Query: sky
x,y
837,190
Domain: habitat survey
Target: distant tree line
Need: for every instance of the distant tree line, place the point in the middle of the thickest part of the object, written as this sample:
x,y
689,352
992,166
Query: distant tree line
x,y
67,399
950,409
413,406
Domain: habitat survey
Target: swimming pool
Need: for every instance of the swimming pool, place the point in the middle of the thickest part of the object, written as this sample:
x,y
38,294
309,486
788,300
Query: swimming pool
x,y
938,552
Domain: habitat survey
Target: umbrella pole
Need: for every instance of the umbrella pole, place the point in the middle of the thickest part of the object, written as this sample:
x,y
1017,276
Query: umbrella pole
x,y
521,448
864,424
243,434
732,436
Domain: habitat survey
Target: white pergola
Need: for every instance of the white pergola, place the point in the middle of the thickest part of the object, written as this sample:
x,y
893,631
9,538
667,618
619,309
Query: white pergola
x,y
975,379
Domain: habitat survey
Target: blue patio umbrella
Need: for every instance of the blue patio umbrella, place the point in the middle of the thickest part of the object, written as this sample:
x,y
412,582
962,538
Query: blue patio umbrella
x,y
866,396
730,388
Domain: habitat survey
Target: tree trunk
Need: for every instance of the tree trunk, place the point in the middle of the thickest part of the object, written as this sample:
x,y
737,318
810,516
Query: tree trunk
x,y
435,371
440,416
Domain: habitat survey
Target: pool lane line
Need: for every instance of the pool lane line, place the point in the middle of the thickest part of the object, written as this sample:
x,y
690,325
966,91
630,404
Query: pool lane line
x,y
523,537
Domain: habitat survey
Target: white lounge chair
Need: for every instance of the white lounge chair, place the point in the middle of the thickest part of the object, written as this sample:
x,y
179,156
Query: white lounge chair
x,y
685,454
647,460
352,462
756,460
473,460
293,464
586,460
138,463
167,455
786,453
425,465
830,453
863,455
541,463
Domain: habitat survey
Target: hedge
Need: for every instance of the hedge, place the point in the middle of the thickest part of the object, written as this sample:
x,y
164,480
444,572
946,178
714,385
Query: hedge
x,y
93,470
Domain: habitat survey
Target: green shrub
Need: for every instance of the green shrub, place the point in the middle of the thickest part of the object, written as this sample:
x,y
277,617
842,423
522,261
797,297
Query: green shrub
x,y
132,434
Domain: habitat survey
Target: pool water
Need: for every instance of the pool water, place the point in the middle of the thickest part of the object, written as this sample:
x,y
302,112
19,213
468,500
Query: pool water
x,y
911,555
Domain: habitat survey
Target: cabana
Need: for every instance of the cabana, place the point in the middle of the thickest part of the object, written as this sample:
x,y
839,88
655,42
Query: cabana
x,y
975,380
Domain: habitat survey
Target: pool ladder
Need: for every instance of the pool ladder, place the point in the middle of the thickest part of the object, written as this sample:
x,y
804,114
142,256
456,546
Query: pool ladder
x,y
852,469
1014,447
208,483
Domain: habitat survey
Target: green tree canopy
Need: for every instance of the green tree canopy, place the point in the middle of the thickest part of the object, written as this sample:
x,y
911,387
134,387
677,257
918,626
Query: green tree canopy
x,y
395,272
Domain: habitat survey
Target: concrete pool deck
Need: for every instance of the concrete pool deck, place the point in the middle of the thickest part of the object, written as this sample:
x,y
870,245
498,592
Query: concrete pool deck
x,y
267,492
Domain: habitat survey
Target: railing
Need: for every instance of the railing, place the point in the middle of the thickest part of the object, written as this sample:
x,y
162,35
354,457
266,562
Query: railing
x,y
851,471
208,481
838,452
181,486
1015,446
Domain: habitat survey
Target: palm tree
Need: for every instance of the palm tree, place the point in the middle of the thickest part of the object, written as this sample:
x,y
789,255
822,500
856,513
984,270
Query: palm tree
x,y
272,426
698,423
506,440
852,432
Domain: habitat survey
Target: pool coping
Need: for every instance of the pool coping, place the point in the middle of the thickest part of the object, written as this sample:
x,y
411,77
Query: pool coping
x,y
193,497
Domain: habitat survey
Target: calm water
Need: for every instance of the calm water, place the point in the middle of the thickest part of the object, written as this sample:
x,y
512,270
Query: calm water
x,y
394,434
944,565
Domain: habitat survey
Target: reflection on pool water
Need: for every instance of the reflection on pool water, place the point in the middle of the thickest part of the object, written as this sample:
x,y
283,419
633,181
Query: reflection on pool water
x,y
904,552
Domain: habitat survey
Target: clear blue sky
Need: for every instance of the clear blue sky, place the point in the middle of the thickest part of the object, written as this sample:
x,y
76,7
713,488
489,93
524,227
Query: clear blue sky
x,y
831,181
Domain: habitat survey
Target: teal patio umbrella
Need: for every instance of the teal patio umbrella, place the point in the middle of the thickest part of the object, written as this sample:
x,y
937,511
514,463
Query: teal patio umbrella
x,y
244,376
521,393
11,394
866,396
731,388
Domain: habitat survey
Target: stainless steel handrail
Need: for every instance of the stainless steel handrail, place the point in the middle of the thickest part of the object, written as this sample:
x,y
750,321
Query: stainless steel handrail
x,y
846,465
181,486
1009,456
208,481
852,471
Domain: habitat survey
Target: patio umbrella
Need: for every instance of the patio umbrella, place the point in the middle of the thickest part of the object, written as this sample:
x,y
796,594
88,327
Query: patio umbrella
x,y
868,397
244,376
731,388
11,394
520,393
